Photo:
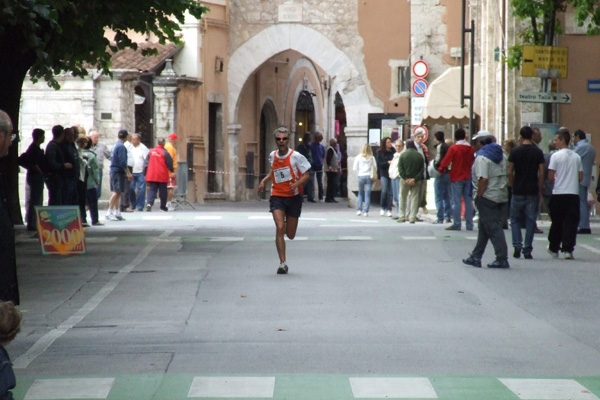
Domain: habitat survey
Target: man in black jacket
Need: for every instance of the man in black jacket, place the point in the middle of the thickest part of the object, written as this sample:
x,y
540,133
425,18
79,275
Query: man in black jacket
x,y
9,288
33,161
56,165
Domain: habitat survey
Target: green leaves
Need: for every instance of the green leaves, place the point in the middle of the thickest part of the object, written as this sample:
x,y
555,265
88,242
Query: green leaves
x,y
69,35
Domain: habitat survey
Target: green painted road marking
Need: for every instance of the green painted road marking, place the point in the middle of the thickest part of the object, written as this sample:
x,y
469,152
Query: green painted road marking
x,y
332,387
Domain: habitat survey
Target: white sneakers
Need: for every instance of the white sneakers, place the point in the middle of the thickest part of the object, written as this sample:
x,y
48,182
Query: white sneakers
x,y
359,213
382,212
388,214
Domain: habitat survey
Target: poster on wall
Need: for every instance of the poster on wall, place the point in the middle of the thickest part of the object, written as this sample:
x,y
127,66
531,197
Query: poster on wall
x,y
60,230
548,133
390,128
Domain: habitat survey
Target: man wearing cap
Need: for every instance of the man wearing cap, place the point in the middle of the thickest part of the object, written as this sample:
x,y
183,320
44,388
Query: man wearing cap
x,y
172,185
490,184
458,163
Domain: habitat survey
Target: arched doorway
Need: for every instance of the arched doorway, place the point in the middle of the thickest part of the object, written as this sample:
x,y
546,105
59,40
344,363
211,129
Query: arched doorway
x,y
144,111
268,123
305,115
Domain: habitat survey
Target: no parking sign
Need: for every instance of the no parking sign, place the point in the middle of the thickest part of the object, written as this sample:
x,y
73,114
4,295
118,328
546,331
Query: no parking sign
x,y
420,87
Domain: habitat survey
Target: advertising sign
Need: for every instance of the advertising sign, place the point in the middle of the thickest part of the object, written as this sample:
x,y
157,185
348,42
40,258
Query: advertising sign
x,y
59,230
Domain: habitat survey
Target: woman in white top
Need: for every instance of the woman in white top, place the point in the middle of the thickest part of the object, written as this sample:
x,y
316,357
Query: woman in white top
x,y
364,164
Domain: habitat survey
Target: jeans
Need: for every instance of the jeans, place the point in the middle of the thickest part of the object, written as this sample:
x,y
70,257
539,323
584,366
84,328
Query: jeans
x,y
491,218
309,186
441,185
584,208
396,192
319,176
462,190
36,197
523,213
137,191
386,194
365,184
564,214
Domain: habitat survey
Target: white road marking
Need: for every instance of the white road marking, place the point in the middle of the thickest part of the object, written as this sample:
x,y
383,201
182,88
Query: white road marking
x,y
83,388
398,388
226,239
548,389
232,386
590,248
350,238
209,217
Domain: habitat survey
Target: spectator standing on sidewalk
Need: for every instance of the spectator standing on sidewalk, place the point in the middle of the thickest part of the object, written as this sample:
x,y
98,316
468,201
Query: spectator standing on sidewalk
x,y
393,173
304,149
384,159
332,170
102,153
289,172
490,184
137,190
33,161
56,167
441,183
461,157
410,169
526,177
125,204
588,155
9,287
364,165
171,147
566,171
318,155
159,167
119,177
93,170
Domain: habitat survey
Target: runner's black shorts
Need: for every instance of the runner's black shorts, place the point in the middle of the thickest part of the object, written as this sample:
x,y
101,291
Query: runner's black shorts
x,y
291,206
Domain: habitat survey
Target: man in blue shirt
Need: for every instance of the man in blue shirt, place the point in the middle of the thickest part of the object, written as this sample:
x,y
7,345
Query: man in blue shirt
x,y
588,154
119,173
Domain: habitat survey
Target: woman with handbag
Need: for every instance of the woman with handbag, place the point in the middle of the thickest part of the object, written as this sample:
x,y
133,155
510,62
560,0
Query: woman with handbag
x,y
365,169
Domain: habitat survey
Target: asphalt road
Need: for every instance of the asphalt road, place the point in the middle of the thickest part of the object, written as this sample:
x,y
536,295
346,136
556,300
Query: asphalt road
x,y
187,304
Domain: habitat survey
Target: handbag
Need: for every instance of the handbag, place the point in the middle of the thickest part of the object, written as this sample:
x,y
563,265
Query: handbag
x,y
433,172
373,171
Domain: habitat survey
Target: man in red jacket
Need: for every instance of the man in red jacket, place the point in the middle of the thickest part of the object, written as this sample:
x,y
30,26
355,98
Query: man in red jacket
x,y
458,161
159,166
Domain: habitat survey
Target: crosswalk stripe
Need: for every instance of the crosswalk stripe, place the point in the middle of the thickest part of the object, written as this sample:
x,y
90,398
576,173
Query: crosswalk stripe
x,y
224,386
548,389
88,388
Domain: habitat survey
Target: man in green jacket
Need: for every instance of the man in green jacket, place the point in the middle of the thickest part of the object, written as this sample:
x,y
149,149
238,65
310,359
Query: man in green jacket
x,y
411,168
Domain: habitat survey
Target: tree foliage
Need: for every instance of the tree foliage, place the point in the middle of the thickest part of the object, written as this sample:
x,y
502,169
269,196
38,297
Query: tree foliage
x,y
543,24
68,35
48,37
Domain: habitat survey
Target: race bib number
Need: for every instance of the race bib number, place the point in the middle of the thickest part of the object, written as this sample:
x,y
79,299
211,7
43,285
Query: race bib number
x,y
282,175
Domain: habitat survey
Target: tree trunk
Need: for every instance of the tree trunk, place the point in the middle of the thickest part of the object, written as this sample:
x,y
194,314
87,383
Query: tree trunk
x,y
13,69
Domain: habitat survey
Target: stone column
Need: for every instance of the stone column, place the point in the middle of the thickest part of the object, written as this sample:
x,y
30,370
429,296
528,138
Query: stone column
x,y
165,100
356,137
235,183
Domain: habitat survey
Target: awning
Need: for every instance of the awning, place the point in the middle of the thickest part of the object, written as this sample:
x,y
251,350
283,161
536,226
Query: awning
x,y
442,98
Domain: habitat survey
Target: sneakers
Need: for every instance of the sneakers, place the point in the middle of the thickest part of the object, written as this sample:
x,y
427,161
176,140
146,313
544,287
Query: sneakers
x,y
148,207
453,228
499,264
569,255
553,254
475,262
97,223
359,213
119,218
165,209
388,214
366,214
527,255
382,212
283,269
401,219
517,253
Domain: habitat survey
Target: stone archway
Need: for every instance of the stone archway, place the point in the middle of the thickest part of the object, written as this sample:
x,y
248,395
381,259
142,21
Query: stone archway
x,y
315,46
345,78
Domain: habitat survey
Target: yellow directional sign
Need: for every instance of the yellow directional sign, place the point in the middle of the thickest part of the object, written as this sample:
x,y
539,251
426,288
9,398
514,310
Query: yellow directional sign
x,y
545,61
